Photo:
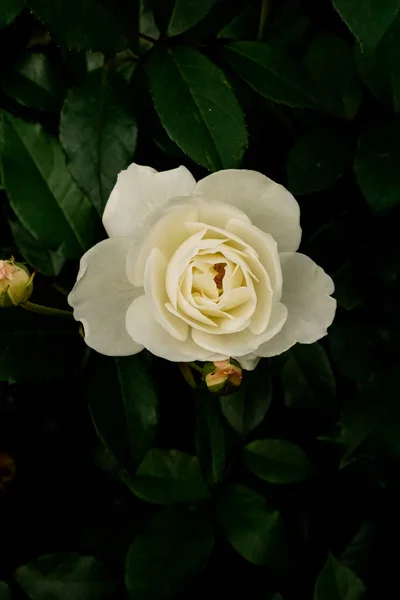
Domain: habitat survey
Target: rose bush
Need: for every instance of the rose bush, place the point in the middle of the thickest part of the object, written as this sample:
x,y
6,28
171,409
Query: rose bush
x,y
201,271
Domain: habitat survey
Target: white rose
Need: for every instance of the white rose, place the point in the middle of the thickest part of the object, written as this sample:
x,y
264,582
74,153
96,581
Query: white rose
x,y
201,271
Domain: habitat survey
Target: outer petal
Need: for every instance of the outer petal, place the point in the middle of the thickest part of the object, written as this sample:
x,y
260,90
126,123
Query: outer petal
x,y
102,295
143,328
248,362
269,205
138,192
306,293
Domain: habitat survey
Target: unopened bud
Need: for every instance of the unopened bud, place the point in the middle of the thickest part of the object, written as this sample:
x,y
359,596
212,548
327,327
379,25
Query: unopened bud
x,y
15,283
224,378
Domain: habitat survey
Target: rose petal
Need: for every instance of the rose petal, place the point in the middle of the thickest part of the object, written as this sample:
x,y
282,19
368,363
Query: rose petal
x,y
145,330
243,342
311,309
167,234
154,286
102,295
138,192
248,362
216,213
266,248
270,206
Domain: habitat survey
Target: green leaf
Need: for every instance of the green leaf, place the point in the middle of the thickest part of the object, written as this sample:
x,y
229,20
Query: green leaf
x,y
336,582
47,262
80,24
186,13
64,576
9,9
243,26
318,160
307,379
45,199
98,133
32,82
172,548
36,348
271,74
367,20
4,591
123,404
169,477
276,461
197,107
245,409
330,62
254,530
210,439
376,165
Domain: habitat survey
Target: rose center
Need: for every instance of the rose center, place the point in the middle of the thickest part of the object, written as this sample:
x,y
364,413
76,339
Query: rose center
x,y
218,279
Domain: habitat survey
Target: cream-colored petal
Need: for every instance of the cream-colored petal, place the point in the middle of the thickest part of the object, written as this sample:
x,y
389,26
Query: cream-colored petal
x,y
181,259
102,295
266,248
270,206
248,362
145,330
307,293
154,287
216,213
138,192
243,342
167,234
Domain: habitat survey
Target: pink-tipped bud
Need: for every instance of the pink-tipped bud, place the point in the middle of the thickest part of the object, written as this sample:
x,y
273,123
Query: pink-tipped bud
x,y
15,283
225,377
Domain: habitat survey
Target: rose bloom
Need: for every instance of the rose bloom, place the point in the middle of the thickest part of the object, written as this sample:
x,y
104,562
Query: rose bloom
x,y
201,271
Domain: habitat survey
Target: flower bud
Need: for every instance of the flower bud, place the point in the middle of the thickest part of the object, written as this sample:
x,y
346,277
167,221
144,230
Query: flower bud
x,y
15,283
224,378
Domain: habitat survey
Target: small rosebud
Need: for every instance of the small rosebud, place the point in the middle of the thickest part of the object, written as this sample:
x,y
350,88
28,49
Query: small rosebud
x,y
224,378
15,283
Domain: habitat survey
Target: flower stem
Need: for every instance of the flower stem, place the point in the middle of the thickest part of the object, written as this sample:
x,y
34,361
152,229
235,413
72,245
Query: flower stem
x,y
46,310
265,8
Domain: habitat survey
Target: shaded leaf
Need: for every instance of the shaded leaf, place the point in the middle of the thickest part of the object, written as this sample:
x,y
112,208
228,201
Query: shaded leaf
x,y
98,133
245,409
80,24
367,20
9,9
271,73
123,405
210,439
47,262
168,477
197,107
318,160
35,348
46,200
172,548
4,591
276,461
186,13
307,379
64,576
32,82
336,582
330,62
376,165
254,530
